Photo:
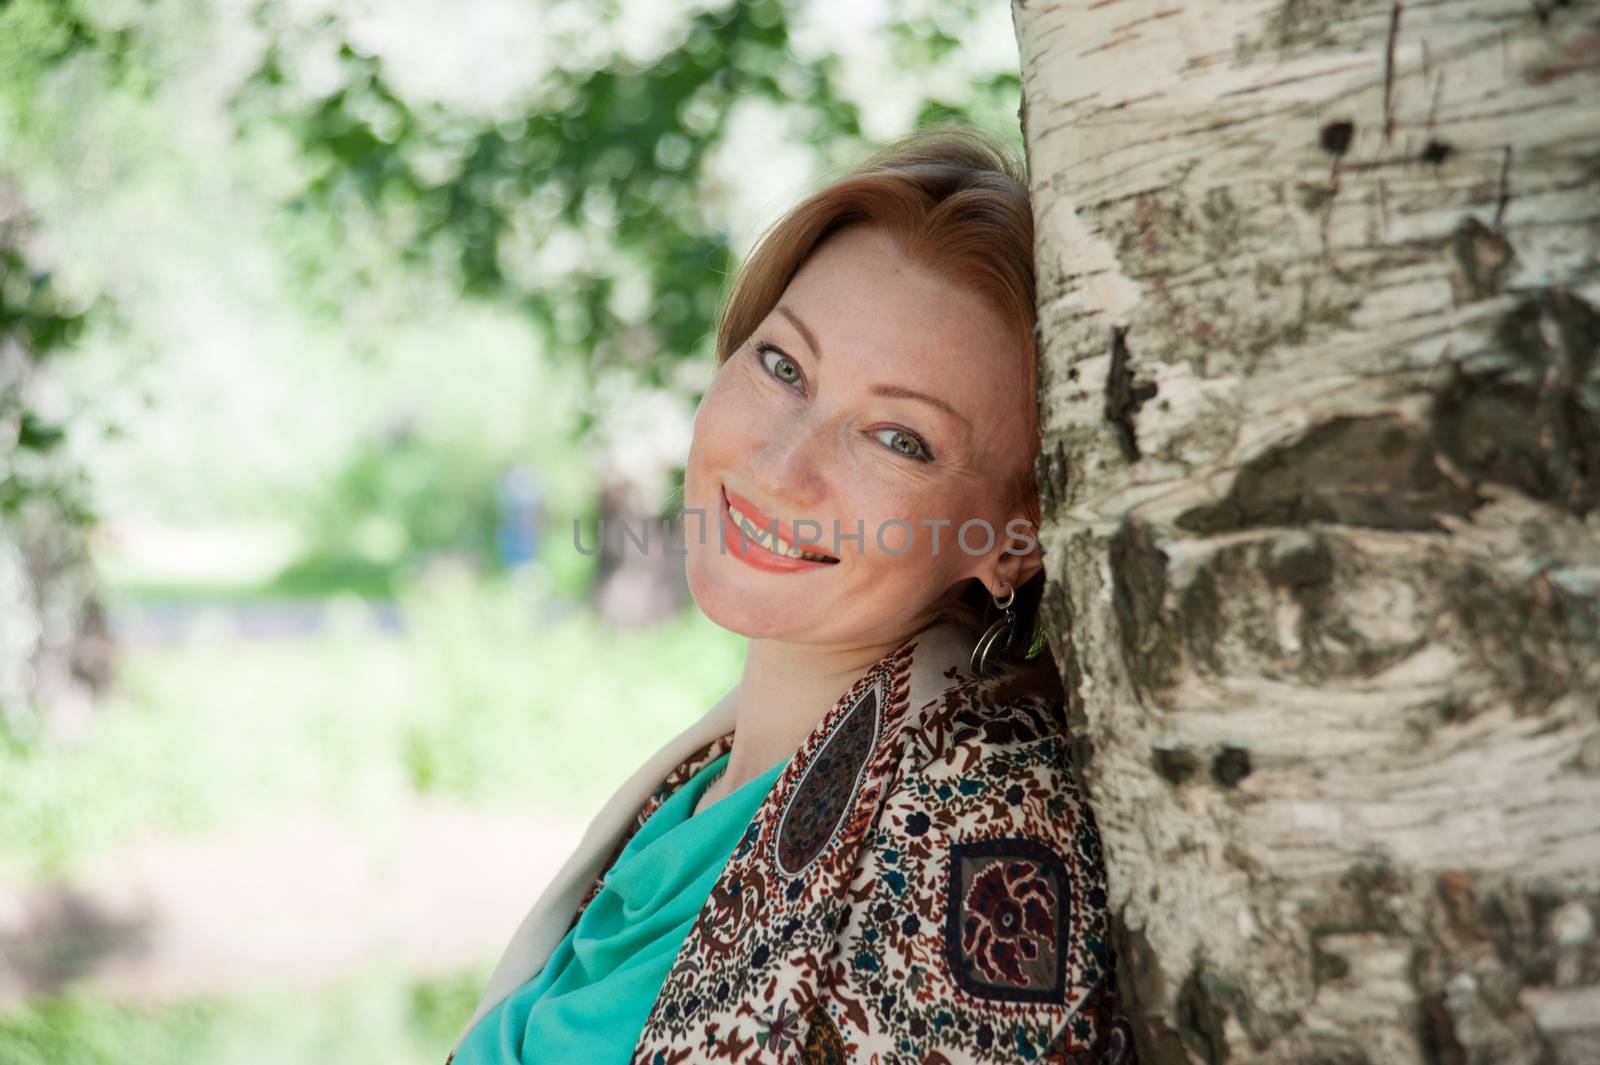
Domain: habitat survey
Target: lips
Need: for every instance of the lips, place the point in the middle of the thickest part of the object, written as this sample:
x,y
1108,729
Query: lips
x,y
766,522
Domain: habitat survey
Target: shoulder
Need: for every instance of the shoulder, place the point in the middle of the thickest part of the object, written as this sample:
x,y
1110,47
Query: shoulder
x,y
983,908
986,780
1015,716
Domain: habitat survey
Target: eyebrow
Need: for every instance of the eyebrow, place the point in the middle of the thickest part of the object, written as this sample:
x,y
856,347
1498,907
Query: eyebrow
x,y
888,391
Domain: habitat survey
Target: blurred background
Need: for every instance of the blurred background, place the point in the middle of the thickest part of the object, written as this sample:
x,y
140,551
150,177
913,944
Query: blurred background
x,y
321,324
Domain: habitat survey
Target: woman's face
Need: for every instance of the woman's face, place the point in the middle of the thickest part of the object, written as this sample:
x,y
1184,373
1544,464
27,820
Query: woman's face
x,y
813,422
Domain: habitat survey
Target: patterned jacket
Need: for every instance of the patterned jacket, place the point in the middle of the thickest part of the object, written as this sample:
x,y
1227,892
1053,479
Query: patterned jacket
x,y
924,883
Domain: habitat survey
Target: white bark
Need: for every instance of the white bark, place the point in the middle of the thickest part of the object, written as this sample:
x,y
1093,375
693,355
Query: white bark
x,y
1318,288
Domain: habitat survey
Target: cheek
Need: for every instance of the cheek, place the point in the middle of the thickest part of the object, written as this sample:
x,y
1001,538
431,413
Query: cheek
x,y
731,411
904,513
721,424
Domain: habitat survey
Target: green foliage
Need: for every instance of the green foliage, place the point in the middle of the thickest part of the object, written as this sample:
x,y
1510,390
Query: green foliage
x,y
37,37
35,326
502,708
34,34
483,696
46,582
398,502
613,153
379,1015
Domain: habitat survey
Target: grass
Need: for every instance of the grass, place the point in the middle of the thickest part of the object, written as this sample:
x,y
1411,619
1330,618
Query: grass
x,y
475,700
378,1016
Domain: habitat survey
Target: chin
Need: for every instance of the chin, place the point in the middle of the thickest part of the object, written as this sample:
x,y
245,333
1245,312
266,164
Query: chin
x,y
732,607
735,605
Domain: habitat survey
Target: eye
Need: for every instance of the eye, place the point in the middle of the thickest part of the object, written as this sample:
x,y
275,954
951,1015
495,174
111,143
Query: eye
x,y
786,370
781,366
906,443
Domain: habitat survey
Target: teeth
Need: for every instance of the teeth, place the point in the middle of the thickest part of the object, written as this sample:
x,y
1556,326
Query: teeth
x,y
771,541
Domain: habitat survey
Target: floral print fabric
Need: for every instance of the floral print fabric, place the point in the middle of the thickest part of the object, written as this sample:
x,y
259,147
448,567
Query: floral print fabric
x,y
917,887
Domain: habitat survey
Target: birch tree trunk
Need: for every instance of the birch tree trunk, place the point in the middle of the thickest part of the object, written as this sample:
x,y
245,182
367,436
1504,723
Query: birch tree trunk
x,y
1318,288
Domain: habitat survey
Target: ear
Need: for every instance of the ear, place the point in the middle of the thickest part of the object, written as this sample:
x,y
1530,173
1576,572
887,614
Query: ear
x,y
1017,556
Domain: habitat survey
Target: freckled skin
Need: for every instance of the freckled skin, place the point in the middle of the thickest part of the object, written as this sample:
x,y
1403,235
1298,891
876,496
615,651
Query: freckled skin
x,y
815,442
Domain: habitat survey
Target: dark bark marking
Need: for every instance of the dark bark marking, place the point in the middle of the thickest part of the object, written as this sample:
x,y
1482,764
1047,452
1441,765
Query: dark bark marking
x,y
1200,1018
1277,83
1349,910
1438,89
1203,625
1300,564
1580,55
1439,1043
1454,709
1533,637
1460,905
1056,607
1367,166
1482,257
1373,472
1506,934
1530,419
1295,28
1138,593
1388,72
1124,395
1052,475
1141,983
1177,765
1313,196
1365,891
1436,151
1503,197
1335,136
1335,139
1169,12
1326,966
1230,765
1222,619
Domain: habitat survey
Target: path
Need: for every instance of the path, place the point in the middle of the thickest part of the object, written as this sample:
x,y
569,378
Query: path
x,y
299,901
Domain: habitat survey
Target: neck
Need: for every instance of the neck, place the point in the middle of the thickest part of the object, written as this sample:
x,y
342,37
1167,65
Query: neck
x,y
784,691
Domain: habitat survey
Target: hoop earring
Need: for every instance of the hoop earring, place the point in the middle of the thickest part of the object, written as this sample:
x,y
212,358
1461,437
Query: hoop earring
x,y
1000,634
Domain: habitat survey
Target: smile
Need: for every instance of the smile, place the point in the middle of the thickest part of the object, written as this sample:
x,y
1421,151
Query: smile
x,y
759,543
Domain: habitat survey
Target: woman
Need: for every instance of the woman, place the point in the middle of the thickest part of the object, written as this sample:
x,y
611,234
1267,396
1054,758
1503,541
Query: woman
x,y
870,849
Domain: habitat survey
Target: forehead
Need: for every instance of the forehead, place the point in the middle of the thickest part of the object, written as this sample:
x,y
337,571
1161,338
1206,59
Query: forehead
x,y
896,321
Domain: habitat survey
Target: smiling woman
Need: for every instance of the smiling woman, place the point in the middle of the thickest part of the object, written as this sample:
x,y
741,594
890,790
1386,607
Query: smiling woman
x,y
949,214
871,848
856,404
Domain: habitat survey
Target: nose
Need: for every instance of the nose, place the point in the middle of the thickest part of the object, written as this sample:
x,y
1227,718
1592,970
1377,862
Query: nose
x,y
789,465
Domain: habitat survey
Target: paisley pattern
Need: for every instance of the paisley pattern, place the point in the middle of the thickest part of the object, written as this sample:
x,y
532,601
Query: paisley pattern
x,y
950,904
824,1045
827,788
